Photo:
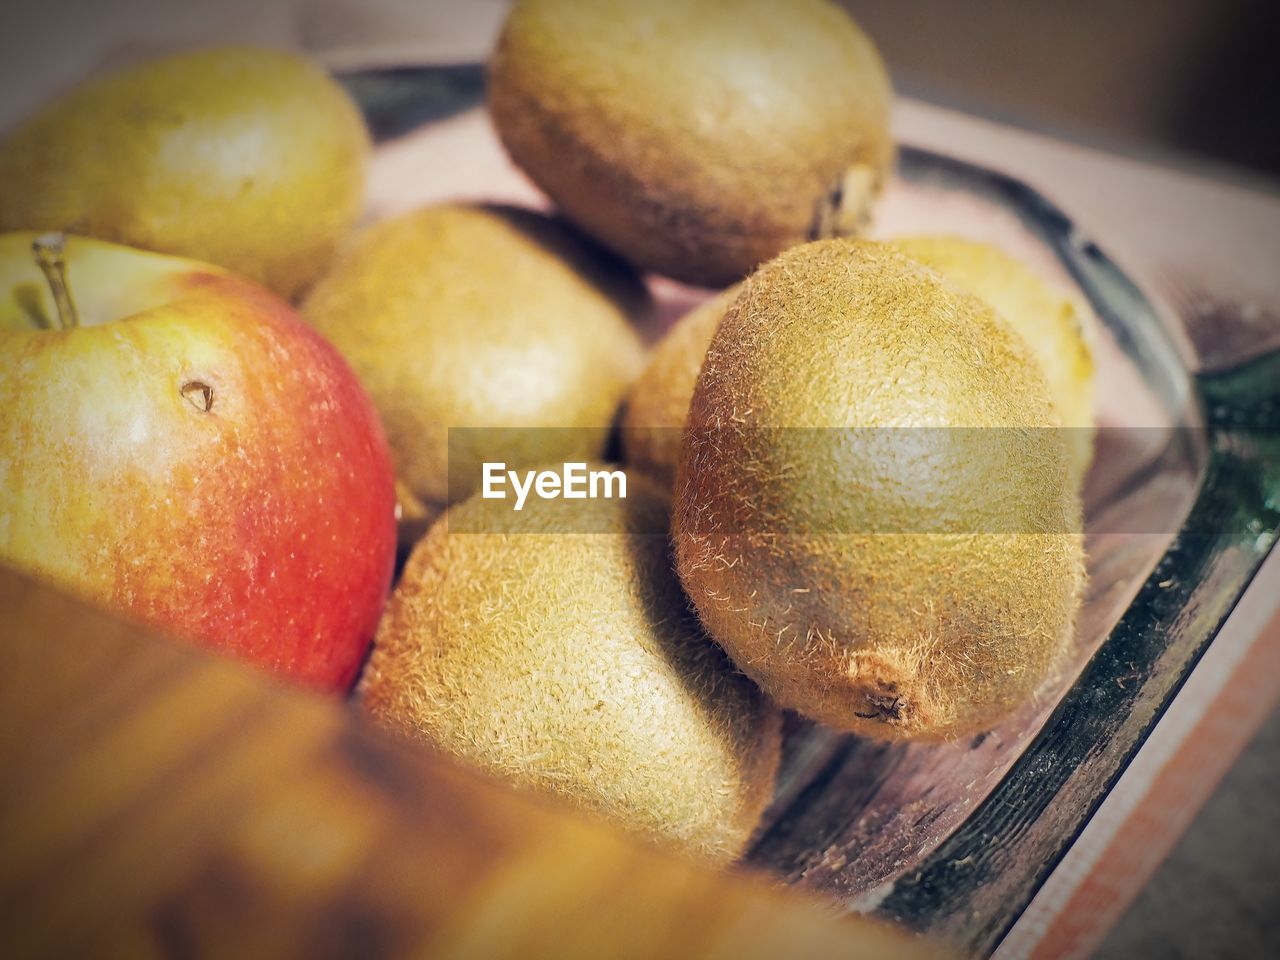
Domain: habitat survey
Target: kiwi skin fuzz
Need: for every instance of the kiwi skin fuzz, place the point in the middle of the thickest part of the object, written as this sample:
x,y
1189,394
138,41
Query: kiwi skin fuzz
x,y
928,635
482,316
572,664
696,138
1047,320
658,404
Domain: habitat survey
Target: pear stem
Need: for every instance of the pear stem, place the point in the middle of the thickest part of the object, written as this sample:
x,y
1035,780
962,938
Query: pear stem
x,y
50,253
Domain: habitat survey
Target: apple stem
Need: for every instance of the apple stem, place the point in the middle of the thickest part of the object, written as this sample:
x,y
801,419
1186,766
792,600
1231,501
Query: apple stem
x,y
50,252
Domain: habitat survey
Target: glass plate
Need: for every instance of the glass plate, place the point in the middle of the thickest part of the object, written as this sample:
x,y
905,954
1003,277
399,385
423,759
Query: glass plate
x,y
1182,506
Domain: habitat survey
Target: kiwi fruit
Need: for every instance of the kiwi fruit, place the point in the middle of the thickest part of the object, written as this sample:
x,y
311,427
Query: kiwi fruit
x,y
658,404
251,159
571,663
918,582
696,138
1047,320
482,317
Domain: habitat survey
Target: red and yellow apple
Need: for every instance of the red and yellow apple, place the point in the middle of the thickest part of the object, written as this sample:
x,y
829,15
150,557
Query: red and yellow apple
x,y
178,446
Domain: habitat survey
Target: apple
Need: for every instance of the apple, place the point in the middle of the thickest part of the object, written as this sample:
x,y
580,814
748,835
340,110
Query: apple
x,y
177,445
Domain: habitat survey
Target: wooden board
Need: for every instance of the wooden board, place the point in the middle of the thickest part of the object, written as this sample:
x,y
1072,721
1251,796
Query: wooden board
x,y
159,801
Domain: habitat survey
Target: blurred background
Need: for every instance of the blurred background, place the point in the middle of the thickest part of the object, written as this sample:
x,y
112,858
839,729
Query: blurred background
x,y
1161,78
1190,81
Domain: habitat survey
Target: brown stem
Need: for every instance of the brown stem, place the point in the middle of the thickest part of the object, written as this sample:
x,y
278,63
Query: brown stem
x,y
50,253
845,210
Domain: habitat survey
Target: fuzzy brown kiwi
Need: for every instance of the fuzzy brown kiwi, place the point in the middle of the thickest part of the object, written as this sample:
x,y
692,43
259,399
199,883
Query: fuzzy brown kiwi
x,y
1047,320
658,404
920,584
249,158
696,138
475,316
572,663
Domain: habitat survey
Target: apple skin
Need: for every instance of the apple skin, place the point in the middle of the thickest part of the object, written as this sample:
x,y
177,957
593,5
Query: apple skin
x,y
263,527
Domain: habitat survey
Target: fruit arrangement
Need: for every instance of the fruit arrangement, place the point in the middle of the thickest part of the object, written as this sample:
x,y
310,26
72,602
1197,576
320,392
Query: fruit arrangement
x,y
845,486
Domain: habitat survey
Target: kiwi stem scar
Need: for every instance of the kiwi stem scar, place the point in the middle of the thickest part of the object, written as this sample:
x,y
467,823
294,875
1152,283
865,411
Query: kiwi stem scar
x,y
50,253
846,208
